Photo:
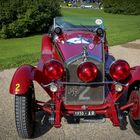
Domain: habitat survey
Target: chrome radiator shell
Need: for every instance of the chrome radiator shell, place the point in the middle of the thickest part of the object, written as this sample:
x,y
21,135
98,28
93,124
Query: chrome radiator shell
x,y
84,94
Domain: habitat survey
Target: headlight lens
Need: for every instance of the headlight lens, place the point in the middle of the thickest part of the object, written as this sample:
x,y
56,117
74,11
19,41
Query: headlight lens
x,y
54,70
119,70
87,71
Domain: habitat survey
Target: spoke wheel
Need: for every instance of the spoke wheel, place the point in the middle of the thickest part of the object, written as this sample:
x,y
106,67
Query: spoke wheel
x,y
134,113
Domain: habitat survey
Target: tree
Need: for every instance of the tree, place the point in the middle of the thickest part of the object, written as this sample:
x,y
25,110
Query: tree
x,y
131,7
20,18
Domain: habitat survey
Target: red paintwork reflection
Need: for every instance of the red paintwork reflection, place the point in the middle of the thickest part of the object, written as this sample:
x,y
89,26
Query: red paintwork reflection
x,y
69,50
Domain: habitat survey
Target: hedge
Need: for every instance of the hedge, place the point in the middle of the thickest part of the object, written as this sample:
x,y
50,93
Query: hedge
x,y
19,18
128,7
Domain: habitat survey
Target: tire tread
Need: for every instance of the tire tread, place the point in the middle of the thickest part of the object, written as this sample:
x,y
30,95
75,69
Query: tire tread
x,y
23,115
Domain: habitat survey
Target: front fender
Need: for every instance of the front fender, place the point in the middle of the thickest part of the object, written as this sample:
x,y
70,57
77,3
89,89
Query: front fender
x,y
22,79
135,74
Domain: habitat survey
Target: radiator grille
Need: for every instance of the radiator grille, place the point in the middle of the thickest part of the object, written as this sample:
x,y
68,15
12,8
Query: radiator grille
x,y
84,95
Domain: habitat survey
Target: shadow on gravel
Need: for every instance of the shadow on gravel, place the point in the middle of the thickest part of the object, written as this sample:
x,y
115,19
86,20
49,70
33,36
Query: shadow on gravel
x,y
42,124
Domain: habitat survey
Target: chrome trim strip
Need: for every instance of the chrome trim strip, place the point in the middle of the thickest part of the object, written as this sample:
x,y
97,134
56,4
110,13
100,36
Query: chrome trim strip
x,y
103,59
93,83
83,84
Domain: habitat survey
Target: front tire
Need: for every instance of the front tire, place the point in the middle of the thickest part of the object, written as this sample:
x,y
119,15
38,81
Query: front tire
x,y
25,113
134,113
135,124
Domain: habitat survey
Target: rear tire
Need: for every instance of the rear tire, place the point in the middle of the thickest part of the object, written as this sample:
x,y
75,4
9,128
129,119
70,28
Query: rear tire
x,y
25,113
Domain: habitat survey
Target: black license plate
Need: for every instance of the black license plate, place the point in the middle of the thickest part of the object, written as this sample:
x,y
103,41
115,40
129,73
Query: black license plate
x,y
84,113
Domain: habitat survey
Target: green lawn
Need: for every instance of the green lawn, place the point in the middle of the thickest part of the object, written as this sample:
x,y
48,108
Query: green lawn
x,y
14,52
120,29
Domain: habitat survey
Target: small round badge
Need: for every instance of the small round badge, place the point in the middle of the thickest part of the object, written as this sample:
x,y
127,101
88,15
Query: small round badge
x,y
91,46
98,21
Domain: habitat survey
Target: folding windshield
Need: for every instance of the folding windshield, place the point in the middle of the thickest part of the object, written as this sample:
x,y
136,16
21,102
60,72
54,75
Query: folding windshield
x,y
78,23
78,33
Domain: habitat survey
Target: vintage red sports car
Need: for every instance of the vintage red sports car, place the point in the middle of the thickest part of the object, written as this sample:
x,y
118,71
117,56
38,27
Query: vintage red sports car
x,y
85,83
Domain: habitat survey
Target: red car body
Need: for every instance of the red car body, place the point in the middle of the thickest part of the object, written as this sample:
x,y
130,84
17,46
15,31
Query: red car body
x,y
110,97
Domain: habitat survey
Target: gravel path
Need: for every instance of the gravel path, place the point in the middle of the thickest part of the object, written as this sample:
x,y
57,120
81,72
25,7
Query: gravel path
x,y
94,131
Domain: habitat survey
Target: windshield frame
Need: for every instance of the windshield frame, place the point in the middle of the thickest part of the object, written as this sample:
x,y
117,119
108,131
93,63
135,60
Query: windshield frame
x,y
73,23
